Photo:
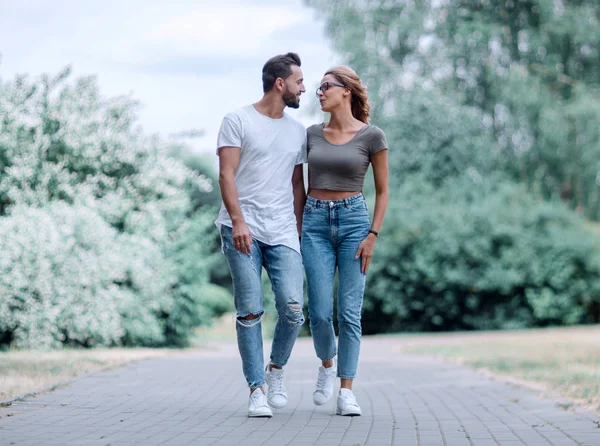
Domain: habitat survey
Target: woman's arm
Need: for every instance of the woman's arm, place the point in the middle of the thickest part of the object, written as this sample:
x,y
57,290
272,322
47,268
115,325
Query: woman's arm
x,y
380,172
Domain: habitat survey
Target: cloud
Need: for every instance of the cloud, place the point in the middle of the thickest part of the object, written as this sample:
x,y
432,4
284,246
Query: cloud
x,y
188,62
222,31
200,66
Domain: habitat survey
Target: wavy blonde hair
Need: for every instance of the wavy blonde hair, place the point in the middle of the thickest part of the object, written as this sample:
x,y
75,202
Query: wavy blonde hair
x,y
361,109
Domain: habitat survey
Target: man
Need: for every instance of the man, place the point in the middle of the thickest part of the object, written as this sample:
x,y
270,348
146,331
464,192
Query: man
x,y
261,151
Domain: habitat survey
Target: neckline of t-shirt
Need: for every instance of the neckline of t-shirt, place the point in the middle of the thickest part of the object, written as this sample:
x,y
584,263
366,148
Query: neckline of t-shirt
x,y
265,116
343,144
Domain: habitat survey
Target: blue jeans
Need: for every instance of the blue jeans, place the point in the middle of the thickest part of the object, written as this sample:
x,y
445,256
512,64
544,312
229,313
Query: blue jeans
x,y
331,234
284,267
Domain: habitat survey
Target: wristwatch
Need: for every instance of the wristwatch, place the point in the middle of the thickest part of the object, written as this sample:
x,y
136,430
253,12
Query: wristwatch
x,y
374,232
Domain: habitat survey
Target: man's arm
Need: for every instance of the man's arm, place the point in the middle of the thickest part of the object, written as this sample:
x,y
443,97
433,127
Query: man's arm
x,y
299,195
229,160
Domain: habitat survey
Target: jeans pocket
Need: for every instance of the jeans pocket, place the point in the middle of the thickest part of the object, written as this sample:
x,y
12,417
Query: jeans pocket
x,y
359,206
308,208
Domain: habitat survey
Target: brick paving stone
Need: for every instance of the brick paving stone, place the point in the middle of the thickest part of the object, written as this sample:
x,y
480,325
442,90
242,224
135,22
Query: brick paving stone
x,y
201,399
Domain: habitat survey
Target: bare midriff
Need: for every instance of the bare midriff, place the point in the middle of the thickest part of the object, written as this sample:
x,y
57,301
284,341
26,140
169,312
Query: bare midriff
x,y
326,194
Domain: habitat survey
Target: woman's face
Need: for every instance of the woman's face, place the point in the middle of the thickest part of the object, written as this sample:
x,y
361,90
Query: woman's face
x,y
330,93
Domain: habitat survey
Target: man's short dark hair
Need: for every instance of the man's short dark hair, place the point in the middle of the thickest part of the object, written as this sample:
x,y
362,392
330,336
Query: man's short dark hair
x,y
278,66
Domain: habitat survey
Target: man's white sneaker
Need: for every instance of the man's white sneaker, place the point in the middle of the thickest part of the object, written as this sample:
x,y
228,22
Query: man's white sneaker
x,y
257,406
346,403
276,394
325,383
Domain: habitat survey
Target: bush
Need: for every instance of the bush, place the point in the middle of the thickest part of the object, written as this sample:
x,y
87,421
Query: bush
x,y
481,255
58,270
94,218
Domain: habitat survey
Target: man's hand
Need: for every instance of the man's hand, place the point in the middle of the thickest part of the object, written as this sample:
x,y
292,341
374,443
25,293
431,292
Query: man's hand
x,y
242,238
365,252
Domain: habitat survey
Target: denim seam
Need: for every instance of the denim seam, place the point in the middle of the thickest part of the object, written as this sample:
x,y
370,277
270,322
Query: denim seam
x,y
252,260
292,301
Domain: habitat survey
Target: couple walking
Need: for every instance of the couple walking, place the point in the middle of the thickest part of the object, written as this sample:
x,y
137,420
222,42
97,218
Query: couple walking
x,y
268,220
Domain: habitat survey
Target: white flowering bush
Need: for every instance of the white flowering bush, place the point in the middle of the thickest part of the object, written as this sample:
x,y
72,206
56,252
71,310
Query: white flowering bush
x,y
58,273
92,212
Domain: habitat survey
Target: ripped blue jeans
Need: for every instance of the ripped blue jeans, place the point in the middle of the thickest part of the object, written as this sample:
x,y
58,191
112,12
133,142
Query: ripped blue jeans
x,y
284,268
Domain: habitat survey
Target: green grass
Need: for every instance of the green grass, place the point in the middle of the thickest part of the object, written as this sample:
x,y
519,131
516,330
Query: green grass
x,y
565,361
28,371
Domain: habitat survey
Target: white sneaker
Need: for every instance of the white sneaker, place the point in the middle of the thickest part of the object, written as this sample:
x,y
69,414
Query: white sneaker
x,y
325,383
276,394
257,406
346,403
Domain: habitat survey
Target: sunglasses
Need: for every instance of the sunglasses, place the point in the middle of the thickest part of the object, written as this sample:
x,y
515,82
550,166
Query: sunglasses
x,y
327,85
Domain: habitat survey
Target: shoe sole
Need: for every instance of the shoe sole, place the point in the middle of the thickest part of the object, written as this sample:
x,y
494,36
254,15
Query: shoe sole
x,y
323,402
348,414
260,415
274,406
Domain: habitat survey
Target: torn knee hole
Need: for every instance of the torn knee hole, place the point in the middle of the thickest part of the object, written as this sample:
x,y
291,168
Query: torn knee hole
x,y
250,319
295,315
251,316
295,307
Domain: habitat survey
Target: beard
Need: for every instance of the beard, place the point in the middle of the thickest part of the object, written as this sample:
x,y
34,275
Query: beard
x,y
291,100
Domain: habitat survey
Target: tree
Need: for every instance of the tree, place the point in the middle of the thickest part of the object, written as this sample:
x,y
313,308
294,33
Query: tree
x,y
531,67
480,152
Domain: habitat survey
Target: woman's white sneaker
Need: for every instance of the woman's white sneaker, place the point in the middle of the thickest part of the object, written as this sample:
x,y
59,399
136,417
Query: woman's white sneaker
x,y
257,406
346,404
325,383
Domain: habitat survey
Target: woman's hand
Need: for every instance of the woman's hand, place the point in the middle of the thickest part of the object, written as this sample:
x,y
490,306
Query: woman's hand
x,y
365,252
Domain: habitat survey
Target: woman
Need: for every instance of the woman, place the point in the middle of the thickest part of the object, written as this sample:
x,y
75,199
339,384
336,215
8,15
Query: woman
x,y
336,229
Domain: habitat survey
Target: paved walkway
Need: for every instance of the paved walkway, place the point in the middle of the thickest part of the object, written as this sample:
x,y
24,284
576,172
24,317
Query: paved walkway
x,y
200,399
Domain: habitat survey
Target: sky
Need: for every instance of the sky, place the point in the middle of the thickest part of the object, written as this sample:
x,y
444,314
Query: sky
x,y
188,62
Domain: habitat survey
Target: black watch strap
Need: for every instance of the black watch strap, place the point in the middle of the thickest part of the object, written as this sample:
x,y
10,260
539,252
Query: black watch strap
x,y
374,232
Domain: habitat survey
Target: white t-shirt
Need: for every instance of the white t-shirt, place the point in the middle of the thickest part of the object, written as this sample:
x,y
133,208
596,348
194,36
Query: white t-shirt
x,y
270,149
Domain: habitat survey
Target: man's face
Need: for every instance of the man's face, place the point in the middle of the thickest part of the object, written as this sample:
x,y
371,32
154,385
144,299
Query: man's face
x,y
293,88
